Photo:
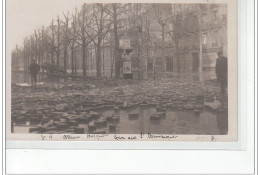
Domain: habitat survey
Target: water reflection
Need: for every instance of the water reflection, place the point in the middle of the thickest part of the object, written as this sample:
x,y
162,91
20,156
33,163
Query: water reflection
x,y
175,122
24,77
222,121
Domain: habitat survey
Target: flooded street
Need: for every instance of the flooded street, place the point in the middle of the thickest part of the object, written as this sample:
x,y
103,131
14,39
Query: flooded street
x,y
174,122
169,106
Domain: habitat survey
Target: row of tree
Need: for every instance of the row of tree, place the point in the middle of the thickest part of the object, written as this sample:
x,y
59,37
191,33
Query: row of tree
x,y
96,25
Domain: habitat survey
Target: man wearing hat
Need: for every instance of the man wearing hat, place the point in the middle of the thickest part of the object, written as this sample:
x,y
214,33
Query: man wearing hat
x,y
34,69
221,71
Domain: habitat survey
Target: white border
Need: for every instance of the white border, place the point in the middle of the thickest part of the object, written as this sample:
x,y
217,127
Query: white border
x,y
2,88
160,161
203,141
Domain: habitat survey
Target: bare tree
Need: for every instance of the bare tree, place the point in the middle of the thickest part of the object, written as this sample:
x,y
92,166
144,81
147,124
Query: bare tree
x,y
115,10
142,22
26,53
99,28
32,48
15,58
36,50
162,18
175,36
52,40
72,44
66,39
147,24
83,24
42,46
138,24
46,45
58,35
39,39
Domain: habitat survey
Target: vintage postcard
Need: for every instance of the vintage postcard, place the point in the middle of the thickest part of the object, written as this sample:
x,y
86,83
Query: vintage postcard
x,y
121,71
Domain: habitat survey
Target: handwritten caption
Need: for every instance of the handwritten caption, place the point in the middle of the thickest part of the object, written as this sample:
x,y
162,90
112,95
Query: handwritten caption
x,y
145,136
46,136
141,136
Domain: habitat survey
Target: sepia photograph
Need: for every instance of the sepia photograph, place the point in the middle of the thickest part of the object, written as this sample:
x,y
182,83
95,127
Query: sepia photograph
x,y
108,70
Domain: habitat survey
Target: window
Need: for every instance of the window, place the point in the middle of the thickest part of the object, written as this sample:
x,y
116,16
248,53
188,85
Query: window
x,y
214,15
169,64
204,18
214,40
150,66
204,38
194,42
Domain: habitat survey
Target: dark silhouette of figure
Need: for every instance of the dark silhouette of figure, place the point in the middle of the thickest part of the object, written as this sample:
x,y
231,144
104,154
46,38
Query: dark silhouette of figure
x,y
221,71
34,69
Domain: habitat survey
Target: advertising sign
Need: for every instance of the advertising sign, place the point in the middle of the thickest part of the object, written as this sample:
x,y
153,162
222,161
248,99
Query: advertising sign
x,y
124,43
127,68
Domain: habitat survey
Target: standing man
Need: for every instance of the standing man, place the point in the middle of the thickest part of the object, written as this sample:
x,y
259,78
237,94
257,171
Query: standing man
x,y
221,71
34,69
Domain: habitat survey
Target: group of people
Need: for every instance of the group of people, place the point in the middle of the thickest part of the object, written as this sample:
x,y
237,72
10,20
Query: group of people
x,y
221,71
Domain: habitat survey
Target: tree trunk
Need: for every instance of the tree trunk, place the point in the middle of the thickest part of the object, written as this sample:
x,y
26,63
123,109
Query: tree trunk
x,y
98,59
83,59
140,61
91,55
163,57
147,53
65,58
58,57
66,45
177,54
42,50
72,61
24,64
58,44
52,41
117,60
112,61
52,53
103,60
75,65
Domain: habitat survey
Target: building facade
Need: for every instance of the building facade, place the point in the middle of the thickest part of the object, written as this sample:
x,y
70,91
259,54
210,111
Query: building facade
x,y
201,31
193,35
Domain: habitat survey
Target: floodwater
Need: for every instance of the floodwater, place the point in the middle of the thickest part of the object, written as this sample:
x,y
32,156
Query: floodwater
x,y
24,77
174,122
20,77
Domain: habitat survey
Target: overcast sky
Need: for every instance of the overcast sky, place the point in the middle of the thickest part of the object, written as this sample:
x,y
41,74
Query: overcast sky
x,y
24,16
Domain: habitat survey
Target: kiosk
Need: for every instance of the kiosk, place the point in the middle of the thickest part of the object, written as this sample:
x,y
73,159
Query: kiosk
x,y
126,58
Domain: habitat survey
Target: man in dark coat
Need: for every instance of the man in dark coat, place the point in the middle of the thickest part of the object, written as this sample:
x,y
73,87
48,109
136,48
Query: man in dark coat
x,y
221,72
34,69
